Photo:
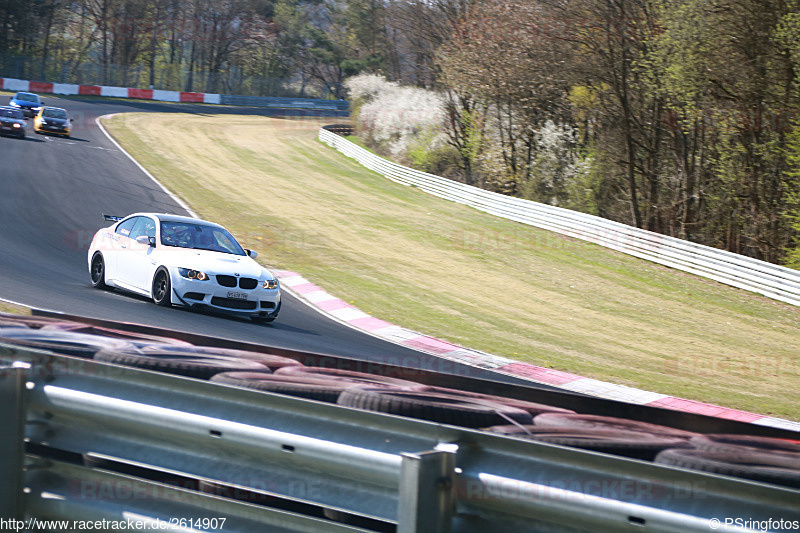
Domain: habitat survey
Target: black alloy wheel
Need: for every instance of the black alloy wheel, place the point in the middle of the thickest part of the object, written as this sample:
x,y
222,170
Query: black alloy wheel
x,y
98,271
162,288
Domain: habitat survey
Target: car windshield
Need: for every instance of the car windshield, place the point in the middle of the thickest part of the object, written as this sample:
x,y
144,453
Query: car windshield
x,y
54,113
13,113
199,237
28,97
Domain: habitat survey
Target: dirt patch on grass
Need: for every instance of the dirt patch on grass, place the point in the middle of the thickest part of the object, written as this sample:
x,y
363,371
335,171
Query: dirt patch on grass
x,y
449,271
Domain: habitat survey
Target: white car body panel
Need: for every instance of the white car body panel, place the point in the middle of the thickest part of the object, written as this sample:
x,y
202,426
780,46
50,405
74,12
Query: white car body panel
x,y
132,266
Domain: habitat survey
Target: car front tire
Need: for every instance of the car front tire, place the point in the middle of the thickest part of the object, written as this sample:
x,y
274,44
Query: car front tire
x,y
98,271
162,288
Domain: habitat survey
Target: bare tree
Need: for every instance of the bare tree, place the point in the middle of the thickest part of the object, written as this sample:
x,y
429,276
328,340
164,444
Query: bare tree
x,y
499,64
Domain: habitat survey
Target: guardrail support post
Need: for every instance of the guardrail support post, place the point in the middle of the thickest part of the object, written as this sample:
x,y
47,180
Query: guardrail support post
x,y
12,435
427,496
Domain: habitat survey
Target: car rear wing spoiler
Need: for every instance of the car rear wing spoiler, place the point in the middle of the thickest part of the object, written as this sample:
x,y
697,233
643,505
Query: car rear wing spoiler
x,y
112,218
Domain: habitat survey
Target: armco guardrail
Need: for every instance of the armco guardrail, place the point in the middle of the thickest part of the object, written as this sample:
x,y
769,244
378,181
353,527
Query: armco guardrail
x,y
399,474
774,281
12,84
315,104
284,102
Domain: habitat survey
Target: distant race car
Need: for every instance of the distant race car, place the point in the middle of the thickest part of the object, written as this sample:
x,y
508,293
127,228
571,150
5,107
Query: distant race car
x,y
52,120
28,103
183,261
12,122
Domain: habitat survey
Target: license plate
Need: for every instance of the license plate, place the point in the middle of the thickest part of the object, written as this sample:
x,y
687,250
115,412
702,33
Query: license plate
x,y
237,295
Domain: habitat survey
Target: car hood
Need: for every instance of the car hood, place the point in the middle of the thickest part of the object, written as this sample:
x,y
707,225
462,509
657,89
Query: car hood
x,y
215,262
52,120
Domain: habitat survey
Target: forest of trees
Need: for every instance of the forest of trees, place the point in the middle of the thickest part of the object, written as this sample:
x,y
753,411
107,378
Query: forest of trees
x,y
677,116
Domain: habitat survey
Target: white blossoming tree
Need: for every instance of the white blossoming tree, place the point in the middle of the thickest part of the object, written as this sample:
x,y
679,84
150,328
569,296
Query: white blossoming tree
x,y
394,119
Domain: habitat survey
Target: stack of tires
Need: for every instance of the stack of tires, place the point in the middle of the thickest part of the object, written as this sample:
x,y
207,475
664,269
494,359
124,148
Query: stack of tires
x,y
628,438
764,459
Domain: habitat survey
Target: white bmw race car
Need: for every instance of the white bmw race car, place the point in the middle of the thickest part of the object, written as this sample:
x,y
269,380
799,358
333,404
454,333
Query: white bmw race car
x,y
183,261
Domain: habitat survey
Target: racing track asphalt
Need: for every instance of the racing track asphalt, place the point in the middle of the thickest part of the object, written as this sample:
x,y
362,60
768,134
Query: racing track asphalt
x,y
53,192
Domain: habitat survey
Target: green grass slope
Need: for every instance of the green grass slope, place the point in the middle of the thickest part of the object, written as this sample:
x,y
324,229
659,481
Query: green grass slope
x,y
473,279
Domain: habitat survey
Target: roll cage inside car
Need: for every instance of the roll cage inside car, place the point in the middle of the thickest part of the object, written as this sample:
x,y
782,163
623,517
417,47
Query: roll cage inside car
x,y
179,234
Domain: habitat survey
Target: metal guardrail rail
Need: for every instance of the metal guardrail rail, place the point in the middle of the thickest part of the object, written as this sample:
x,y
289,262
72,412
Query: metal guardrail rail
x,y
284,102
774,281
404,475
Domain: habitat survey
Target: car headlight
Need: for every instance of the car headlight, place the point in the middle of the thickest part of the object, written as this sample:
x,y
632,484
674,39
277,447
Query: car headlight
x,y
270,283
188,273
16,125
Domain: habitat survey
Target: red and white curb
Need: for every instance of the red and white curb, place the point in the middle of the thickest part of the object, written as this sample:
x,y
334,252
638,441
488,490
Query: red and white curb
x,y
12,84
342,311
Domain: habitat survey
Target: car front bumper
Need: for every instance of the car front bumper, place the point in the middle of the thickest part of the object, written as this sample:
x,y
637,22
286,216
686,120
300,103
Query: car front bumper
x,y
210,295
61,130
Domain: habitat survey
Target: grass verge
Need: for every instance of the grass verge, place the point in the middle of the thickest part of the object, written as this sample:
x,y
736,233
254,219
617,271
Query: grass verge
x,y
14,309
455,273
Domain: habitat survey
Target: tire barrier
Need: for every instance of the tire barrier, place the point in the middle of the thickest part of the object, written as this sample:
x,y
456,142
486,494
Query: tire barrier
x,y
190,365
435,406
137,338
350,378
531,407
763,459
35,322
12,324
340,129
633,444
780,469
567,420
310,388
272,362
313,383
744,443
63,342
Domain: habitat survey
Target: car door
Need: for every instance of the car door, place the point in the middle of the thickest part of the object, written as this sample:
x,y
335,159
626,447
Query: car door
x,y
139,264
119,243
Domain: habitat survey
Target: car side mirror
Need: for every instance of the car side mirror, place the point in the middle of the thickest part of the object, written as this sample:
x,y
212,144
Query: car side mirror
x,y
252,253
144,239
